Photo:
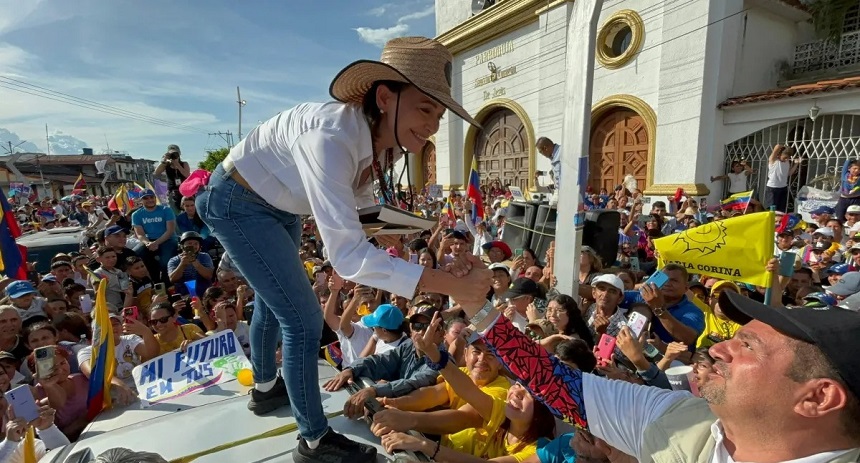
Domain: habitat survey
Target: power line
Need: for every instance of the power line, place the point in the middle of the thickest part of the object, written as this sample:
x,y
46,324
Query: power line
x,y
43,92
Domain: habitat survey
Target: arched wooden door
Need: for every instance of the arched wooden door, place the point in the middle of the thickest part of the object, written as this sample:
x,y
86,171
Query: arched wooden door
x,y
502,149
619,146
429,164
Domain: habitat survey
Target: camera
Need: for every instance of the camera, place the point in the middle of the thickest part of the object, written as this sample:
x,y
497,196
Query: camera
x,y
173,156
188,249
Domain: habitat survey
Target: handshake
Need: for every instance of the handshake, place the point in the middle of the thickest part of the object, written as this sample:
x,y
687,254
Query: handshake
x,y
473,282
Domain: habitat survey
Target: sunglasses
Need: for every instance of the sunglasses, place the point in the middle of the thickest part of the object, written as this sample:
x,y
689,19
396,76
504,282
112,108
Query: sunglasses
x,y
419,326
157,321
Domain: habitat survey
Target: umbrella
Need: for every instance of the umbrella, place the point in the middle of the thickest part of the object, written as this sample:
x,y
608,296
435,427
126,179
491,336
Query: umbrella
x,y
70,198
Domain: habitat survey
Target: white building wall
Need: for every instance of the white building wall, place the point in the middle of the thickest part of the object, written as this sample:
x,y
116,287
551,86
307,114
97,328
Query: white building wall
x,y
765,51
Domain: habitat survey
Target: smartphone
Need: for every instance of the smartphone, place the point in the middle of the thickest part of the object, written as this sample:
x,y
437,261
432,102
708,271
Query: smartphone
x,y
518,252
634,263
159,289
86,303
131,312
44,361
786,263
637,323
321,277
606,346
658,279
22,402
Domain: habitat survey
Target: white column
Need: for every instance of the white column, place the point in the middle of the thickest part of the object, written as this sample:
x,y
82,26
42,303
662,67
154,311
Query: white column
x,y
582,32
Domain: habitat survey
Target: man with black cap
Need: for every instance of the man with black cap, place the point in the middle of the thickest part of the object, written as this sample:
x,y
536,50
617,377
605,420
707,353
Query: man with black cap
x,y
191,265
785,388
177,171
522,293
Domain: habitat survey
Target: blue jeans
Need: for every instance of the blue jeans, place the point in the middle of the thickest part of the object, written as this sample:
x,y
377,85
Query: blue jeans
x,y
156,261
263,243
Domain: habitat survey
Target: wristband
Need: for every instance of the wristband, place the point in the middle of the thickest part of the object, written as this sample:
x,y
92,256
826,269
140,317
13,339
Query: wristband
x,y
436,452
482,314
443,361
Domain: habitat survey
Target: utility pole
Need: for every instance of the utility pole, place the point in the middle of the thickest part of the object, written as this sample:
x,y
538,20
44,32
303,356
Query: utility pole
x,y
226,136
241,103
47,140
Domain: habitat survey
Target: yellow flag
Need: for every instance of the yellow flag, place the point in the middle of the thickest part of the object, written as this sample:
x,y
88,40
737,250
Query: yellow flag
x,y
736,249
30,446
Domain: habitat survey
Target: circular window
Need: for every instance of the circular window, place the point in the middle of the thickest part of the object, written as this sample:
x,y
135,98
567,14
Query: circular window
x,y
619,39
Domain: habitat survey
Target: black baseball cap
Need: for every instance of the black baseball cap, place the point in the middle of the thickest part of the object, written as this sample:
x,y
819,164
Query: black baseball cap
x,y
523,287
832,329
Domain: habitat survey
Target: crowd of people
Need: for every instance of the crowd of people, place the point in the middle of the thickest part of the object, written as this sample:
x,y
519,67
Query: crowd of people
x,y
463,339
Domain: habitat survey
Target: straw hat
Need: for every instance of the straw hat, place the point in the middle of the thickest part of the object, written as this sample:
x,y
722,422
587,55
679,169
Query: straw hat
x,y
419,61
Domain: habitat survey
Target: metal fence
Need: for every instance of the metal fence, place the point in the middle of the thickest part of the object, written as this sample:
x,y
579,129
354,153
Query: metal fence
x,y
823,145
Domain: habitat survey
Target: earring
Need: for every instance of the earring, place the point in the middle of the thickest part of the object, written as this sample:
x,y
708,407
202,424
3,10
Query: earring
x,y
381,111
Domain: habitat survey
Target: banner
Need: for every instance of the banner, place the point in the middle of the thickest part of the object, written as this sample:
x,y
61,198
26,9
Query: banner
x,y
207,362
735,249
434,191
19,189
808,199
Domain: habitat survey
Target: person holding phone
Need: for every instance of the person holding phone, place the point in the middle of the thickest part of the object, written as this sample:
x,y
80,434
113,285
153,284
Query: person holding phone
x,y
50,437
780,168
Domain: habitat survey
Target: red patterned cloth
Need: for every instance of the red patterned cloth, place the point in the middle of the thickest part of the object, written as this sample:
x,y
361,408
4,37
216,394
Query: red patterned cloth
x,y
555,384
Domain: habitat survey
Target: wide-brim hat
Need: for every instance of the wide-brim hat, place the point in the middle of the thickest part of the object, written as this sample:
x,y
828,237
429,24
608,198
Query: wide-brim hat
x,y
419,61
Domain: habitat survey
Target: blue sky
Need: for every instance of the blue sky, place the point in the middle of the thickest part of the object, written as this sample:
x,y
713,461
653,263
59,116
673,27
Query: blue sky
x,y
180,62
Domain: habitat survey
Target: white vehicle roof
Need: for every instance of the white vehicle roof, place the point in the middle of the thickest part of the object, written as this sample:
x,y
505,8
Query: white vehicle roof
x,y
202,421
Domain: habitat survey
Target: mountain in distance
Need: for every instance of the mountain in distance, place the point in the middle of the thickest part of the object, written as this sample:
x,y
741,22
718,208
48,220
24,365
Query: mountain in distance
x,y
60,143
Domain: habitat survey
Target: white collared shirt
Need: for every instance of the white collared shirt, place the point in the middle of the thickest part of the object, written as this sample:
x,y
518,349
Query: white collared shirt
x,y
721,455
309,160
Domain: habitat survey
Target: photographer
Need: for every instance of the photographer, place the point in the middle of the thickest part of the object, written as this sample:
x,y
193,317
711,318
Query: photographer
x,y
780,168
191,265
177,171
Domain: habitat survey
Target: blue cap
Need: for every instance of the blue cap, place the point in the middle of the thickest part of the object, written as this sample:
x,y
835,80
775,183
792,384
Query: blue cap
x,y
19,288
147,192
822,210
113,230
822,298
49,277
837,269
385,316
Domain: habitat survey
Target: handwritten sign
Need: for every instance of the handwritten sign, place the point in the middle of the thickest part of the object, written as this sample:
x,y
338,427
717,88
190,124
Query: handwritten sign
x,y
809,198
434,191
207,362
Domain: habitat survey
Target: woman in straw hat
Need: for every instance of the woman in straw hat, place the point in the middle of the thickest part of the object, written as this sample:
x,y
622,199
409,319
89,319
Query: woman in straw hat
x,y
323,159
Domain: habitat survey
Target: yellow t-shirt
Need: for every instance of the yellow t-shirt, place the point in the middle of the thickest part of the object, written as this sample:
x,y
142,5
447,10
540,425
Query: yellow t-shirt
x,y
716,330
485,443
498,388
186,332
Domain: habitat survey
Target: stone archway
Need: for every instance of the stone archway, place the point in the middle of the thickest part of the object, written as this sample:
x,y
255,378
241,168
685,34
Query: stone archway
x,y
502,149
620,146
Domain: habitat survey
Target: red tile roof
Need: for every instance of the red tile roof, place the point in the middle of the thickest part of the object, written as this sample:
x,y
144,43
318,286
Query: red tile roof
x,y
797,90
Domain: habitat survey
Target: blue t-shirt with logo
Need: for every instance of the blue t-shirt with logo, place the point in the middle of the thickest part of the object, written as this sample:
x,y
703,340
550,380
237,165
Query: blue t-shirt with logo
x,y
154,222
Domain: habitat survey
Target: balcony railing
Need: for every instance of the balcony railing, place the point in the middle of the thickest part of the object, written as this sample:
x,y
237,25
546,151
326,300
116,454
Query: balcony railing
x,y
824,55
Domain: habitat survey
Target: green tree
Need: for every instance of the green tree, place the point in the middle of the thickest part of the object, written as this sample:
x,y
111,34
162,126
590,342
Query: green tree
x,y
828,16
213,158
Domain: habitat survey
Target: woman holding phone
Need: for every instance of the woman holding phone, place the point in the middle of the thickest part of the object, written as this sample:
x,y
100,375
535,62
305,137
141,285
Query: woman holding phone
x,y
324,160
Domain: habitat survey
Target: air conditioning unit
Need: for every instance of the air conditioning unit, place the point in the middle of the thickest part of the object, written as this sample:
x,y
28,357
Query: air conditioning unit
x,y
481,5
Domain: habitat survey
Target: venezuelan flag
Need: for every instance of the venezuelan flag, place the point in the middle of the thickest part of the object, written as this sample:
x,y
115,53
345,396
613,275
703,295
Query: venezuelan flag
x,y
13,261
80,185
148,186
333,354
473,192
122,201
102,363
738,201
448,209
790,222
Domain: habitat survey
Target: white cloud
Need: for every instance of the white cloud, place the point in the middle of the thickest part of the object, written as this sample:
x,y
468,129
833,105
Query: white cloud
x,y
380,10
418,14
379,36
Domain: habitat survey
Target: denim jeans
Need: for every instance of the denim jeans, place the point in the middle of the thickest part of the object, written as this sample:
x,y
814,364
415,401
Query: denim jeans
x,y
156,261
263,243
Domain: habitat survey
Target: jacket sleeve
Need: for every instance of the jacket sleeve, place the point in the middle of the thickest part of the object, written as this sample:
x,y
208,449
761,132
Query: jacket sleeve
x,y
424,376
557,385
378,366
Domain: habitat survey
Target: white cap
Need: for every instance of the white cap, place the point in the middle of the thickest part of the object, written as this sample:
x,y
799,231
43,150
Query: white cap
x,y
500,266
609,279
853,209
826,231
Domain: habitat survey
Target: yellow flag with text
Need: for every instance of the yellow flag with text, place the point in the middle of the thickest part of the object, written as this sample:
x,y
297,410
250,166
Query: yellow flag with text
x,y
735,249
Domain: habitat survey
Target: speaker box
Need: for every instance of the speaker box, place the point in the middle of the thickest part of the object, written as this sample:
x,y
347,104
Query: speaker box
x,y
519,222
601,233
544,229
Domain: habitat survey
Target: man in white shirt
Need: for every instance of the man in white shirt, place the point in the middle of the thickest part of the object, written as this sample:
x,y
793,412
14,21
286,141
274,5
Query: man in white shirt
x,y
780,168
785,388
551,151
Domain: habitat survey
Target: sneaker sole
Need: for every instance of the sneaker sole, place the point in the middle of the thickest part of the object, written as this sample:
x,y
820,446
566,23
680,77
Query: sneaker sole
x,y
268,406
